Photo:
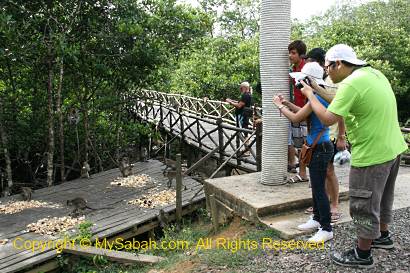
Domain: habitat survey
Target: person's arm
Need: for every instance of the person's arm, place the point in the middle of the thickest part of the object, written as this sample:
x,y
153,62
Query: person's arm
x,y
236,104
326,117
291,106
299,116
341,138
326,93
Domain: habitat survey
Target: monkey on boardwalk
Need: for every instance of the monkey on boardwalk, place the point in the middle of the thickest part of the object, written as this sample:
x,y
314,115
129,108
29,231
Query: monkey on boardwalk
x,y
125,167
171,175
170,164
79,204
26,193
85,170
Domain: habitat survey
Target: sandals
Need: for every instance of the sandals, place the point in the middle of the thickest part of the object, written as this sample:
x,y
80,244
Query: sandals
x,y
296,179
335,217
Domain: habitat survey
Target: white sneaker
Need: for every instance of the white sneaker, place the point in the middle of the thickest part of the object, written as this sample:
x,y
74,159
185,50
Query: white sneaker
x,y
321,236
309,225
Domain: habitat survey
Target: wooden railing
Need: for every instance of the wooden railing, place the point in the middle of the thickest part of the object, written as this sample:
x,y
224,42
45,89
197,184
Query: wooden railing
x,y
202,107
203,123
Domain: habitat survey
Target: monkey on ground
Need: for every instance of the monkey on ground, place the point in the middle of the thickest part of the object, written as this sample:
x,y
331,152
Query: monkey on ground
x,y
26,193
85,170
80,204
125,167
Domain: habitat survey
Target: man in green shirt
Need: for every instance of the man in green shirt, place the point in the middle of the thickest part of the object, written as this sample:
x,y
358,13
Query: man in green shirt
x,y
366,102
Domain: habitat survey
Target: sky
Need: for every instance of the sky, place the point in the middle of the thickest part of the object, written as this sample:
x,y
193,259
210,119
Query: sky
x,y
304,9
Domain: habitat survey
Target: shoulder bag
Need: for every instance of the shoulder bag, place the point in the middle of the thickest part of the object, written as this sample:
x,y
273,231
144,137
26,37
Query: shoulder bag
x,y
307,151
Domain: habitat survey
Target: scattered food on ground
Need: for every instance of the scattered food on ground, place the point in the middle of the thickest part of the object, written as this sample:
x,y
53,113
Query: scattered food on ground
x,y
55,225
134,181
155,199
17,206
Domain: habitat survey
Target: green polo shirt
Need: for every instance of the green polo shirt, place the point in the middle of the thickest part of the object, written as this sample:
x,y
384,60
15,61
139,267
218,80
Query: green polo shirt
x,y
366,101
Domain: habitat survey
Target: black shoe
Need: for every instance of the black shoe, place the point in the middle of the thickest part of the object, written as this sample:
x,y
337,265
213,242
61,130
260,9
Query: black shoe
x,y
383,242
352,259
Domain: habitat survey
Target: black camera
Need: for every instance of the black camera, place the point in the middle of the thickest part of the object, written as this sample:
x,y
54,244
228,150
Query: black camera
x,y
299,85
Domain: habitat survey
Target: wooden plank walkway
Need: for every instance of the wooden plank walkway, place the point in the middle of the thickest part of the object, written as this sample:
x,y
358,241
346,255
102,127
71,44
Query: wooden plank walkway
x,y
125,220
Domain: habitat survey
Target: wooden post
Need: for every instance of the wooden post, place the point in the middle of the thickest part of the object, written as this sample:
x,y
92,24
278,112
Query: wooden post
x,y
198,132
190,156
166,147
258,144
220,141
178,190
146,108
161,115
207,199
238,143
170,118
181,126
214,212
220,110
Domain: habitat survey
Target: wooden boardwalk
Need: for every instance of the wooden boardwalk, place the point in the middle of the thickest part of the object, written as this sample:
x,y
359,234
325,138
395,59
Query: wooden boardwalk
x,y
124,220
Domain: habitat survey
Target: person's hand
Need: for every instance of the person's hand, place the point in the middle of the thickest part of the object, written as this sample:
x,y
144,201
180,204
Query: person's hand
x,y
283,100
313,83
277,100
341,144
307,91
228,101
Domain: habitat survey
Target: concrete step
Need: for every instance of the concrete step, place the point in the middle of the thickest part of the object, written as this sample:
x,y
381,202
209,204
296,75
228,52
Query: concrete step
x,y
286,224
251,200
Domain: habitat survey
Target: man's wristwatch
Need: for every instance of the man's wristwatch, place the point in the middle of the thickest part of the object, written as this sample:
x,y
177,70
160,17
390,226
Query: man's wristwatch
x,y
280,107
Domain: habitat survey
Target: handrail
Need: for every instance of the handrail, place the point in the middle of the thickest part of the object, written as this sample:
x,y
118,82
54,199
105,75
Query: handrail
x,y
205,107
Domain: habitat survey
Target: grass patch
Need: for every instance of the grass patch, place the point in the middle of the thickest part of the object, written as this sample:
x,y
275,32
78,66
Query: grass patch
x,y
236,252
187,237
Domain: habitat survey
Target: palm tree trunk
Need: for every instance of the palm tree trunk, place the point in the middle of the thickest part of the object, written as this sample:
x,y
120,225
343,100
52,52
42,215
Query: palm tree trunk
x,y
274,67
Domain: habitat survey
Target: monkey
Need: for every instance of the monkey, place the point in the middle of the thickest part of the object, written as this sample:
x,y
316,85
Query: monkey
x,y
163,218
80,203
170,164
85,170
144,154
125,167
171,174
26,193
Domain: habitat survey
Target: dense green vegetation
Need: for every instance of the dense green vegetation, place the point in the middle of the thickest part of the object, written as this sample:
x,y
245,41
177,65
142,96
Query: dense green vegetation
x,y
69,69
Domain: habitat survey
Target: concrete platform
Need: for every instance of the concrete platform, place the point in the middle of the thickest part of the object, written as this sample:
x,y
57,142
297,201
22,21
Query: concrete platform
x,y
282,207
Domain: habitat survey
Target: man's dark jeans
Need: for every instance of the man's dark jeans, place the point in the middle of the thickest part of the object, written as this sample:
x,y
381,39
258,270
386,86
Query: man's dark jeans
x,y
317,170
242,121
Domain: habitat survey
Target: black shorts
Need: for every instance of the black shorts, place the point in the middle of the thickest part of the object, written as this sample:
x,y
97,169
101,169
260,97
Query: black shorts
x,y
335,151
